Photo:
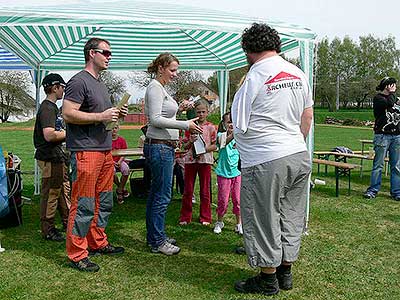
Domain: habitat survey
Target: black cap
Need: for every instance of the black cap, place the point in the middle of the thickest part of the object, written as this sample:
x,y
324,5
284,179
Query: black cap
x,y
53,79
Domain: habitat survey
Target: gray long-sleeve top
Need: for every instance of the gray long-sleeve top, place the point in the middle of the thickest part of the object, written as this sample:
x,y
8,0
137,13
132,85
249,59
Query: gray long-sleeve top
x,y
160,109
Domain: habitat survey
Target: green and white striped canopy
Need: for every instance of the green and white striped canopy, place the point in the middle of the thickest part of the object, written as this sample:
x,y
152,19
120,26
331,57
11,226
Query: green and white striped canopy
x,y
52,38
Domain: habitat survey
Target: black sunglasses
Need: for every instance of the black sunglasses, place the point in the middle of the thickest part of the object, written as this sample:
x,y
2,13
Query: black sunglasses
x,y
105,53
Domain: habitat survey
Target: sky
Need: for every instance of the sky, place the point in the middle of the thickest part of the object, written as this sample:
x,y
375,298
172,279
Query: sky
x,y
334,18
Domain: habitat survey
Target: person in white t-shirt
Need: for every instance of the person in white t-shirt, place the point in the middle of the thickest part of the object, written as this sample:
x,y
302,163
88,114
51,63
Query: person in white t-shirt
x,y
272,115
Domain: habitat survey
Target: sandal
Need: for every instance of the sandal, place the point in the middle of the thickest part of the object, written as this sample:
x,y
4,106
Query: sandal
x,y
125,193
120,197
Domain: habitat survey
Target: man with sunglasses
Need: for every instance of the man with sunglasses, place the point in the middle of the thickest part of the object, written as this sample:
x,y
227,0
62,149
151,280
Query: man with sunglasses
x,y
87,109
51,158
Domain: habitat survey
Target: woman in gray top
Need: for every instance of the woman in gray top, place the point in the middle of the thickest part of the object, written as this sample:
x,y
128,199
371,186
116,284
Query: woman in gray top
x,y
159,148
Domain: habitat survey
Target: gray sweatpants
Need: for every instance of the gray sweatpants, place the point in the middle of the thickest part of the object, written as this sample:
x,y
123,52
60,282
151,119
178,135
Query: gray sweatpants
x,y
273,204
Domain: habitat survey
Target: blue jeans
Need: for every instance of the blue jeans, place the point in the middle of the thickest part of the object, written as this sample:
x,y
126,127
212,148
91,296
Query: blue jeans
x,y
382,144
160,159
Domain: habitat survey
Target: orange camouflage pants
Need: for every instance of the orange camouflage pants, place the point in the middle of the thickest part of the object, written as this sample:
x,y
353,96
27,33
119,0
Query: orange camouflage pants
x,y
91,202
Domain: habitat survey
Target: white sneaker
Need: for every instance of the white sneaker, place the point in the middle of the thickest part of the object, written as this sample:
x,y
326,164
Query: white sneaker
x,y
167,249
218,227
194,199
238,228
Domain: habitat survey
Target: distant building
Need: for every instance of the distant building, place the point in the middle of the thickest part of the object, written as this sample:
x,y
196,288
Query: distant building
x,y
207,93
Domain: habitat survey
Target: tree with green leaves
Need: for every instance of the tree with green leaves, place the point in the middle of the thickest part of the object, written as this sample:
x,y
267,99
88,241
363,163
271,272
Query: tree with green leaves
x,y
349,72
182,87
115,84
14,97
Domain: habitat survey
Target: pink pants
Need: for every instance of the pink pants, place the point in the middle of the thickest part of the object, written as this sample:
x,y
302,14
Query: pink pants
x,y
204,171
226,187
124,168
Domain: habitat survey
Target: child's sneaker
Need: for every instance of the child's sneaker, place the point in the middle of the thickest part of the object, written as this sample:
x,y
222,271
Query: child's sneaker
x,y
239,228
218,227
194,199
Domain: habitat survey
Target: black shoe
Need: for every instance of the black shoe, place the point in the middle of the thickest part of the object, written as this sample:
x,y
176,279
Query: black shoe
x,y
109,249
240,250
55,235
284,276
257,284
85,265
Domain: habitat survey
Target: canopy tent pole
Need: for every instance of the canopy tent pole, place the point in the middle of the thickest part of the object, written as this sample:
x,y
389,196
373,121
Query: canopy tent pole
x,y
223,88
37,76
306,62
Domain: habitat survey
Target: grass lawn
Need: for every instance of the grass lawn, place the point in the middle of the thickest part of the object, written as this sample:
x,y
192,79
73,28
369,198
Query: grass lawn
x,y
351,252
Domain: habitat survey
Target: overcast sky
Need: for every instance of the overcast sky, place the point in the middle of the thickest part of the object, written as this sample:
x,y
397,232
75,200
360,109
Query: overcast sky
x,y
326,18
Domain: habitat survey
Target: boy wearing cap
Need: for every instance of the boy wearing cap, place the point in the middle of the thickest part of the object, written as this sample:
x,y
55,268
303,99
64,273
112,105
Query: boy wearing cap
x,y
51,159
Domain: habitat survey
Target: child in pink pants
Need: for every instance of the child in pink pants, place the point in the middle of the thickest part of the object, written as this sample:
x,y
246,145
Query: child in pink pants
x,y
120,165
228,174
199,164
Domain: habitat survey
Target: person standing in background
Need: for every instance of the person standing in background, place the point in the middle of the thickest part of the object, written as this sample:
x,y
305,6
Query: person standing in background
x,y
48,137
386,138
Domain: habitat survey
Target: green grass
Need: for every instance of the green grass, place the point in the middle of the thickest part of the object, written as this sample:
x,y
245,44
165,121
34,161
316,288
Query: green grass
x,y
351,252
29,123
327,137
361,115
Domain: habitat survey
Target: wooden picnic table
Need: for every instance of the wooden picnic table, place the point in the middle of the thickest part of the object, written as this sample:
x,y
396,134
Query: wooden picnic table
x,y
128,152
341,169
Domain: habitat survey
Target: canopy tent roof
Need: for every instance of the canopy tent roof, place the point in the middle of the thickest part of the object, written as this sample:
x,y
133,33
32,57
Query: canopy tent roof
x,y
53,37
9,61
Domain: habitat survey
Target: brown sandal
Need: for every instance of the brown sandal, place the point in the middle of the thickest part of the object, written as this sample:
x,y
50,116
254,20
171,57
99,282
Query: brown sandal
x,y
120,197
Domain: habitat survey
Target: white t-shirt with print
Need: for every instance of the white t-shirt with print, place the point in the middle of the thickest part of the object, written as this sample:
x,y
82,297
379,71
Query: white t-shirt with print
x,y
267,109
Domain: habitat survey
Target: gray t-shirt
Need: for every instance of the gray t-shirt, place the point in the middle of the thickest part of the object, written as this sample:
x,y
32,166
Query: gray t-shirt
x,y
93,96
160,109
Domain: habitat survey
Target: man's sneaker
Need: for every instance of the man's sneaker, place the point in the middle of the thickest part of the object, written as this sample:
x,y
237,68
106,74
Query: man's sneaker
x,y
396,198
109,249
284,275
166,248
55,235
218,227
239,228
369,195
85,265
259,285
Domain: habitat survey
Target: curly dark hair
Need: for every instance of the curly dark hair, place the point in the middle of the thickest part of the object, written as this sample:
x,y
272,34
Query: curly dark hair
x,y
260,37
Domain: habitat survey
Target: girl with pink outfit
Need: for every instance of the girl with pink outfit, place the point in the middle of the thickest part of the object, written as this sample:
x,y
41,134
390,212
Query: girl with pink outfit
x,y
201,164
228,174
120,165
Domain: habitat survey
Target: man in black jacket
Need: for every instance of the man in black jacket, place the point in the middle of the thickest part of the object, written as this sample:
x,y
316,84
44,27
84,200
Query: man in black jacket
x,y
386,138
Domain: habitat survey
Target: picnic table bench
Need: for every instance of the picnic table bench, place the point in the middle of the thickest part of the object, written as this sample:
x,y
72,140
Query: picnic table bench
x,y
341,168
